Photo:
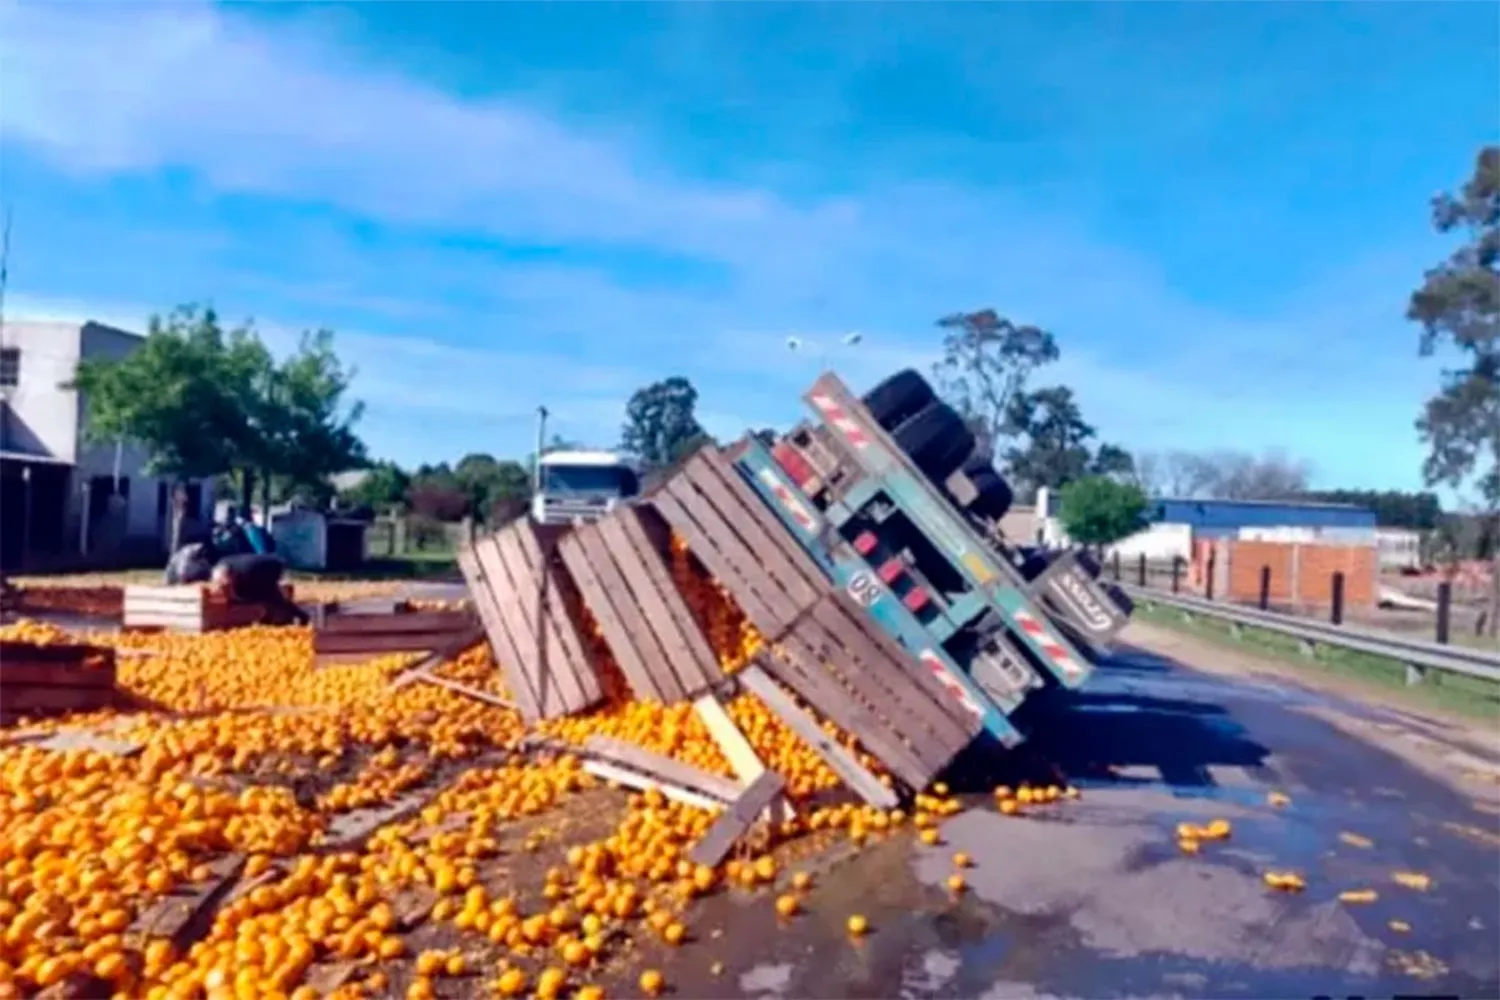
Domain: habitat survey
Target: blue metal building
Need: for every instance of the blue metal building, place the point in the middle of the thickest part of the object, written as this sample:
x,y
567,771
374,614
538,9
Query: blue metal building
x,y
1226,518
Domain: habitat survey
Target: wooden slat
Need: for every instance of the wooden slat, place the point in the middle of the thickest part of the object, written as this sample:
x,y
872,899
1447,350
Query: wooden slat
x,y
183,918
524,665
913,670
734,821
338,644
699,483
396,622
765,520
426,677
619,618
31,699
501,644
736,749
697,666
888,688
658,766
740,568
800,668
451,647
55,675
69,652
728,559
677,665
558,688
541,552
633,779
839,760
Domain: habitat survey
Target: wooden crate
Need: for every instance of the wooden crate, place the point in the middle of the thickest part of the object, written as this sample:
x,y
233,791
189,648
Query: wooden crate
x,y
361,635
513,578
619,567
40,680
827,651
191,607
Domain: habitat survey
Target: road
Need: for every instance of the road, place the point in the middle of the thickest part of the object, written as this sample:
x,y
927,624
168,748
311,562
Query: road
x,y
1093,897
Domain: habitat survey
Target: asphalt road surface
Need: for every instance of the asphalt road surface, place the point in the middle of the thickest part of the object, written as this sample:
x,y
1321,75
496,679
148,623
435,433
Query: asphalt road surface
x,y
1093,898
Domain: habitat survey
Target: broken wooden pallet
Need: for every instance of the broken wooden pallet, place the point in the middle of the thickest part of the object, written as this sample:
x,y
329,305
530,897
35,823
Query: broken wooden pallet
x,y
512,577
738,807
619,565
185,915
342,636
51,679
192,608
828,652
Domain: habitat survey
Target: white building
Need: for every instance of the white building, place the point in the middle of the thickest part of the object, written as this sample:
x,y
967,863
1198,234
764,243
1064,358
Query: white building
x,y
62,498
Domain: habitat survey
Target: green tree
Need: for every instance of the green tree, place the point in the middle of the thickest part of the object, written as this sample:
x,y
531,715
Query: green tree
x,y
493,485
1055,448
1392,508
184,396
1112,460
660,422
1458,307
303,423
1098,510
383,487
985,366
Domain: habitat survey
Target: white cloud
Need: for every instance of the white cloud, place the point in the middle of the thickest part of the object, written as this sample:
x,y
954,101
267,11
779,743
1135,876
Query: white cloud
x,y
288,113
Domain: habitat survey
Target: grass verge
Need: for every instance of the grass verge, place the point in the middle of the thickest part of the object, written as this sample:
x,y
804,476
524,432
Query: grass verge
x,y
1468,696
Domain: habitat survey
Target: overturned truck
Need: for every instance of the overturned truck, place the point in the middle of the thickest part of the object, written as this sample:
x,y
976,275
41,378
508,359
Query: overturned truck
x,y
864,548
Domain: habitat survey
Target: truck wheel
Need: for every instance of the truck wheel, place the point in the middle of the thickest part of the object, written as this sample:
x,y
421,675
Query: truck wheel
x,y
898,398
936,440
994,497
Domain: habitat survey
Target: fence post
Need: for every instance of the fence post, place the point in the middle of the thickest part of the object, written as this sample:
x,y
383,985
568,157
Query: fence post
x,y
1444,611
1116,560
1208,579
1176,573
1141,567
1337,615
1265,588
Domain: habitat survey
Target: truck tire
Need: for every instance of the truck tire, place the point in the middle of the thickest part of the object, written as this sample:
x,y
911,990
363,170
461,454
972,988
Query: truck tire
x,y
898,398
936,439
994,497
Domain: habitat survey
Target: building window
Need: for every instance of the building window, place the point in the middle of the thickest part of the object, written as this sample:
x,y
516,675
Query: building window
x,y
10,367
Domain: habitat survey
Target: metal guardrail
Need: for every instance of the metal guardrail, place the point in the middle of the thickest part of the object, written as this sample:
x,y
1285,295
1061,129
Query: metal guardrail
x,y
1418,655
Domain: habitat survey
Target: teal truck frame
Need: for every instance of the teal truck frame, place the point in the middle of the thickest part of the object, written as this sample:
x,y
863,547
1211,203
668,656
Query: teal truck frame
x,y
939,580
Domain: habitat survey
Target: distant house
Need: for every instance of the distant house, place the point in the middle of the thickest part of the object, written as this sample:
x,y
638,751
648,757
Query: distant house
x,y
63,498
1175,524
1269,520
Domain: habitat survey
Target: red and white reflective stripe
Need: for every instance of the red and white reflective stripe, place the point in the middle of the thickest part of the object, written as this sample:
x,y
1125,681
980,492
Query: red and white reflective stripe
x,y
945,678
788,499
835,415
1055,652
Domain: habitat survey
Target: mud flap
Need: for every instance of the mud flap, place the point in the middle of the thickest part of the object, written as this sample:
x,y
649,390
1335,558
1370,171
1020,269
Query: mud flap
x,y
1080,603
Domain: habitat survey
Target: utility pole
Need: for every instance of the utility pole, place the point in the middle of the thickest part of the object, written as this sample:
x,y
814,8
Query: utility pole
x,y
4,275
541,439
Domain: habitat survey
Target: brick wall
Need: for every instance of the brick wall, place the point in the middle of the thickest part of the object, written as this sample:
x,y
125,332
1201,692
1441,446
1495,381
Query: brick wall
x,y
1246,560
1301,572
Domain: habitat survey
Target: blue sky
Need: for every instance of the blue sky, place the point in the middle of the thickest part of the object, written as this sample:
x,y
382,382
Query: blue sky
x,y
1219,209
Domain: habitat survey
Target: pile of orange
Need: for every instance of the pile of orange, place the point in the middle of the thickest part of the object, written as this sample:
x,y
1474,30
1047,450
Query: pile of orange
x,y
264,753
